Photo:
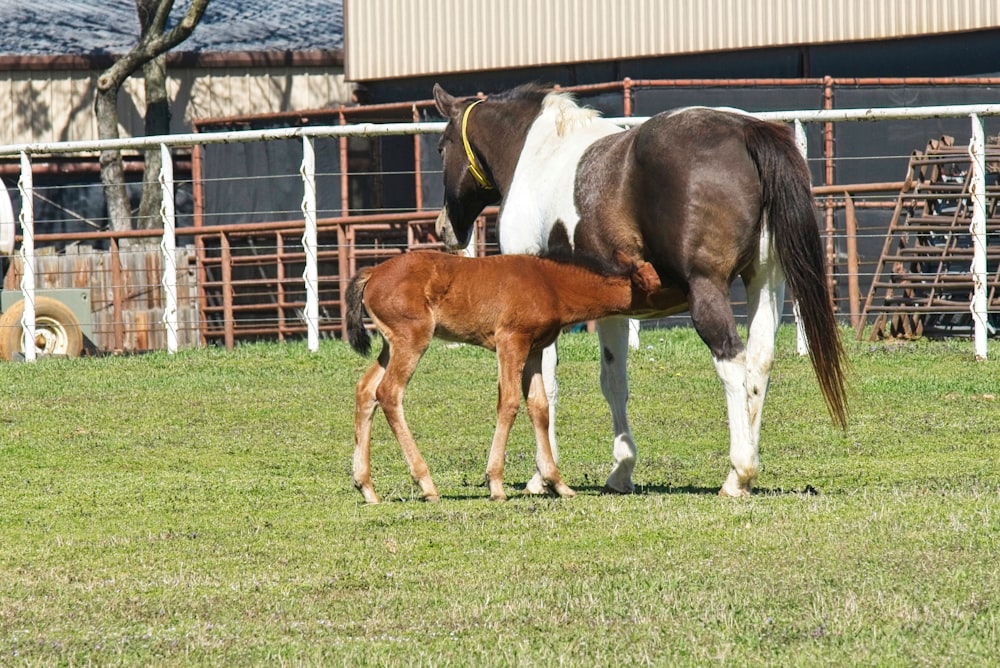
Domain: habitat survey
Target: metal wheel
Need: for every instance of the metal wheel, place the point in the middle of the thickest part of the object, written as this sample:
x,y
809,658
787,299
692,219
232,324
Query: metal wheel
x,y
57,330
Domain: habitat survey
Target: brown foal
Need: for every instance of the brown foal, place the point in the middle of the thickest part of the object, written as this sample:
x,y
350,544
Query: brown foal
x,y
512,304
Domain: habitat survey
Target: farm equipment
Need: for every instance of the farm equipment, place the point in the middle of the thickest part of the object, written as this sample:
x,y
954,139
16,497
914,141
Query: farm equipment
x,y
58,312
923,283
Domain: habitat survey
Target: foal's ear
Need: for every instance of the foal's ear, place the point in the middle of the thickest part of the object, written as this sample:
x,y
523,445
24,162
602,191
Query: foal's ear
x,y
444,102
627,262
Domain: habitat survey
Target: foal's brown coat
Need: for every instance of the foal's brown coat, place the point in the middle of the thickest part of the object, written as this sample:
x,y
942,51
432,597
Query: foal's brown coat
x,y
513,304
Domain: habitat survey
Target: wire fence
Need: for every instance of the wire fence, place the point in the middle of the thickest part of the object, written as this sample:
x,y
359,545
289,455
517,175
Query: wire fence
x,y
198,278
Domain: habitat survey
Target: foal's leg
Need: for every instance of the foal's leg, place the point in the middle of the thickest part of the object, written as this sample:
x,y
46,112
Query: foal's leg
x,y
511,355
406,352
713,318
765,287
550,359
613,335
364,411
538,409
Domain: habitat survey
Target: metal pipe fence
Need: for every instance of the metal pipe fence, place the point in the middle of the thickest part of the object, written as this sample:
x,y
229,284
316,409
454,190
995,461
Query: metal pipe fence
x,y
275,280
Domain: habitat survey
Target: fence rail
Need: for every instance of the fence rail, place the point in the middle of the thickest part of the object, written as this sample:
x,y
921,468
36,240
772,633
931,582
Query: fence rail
x,y
307,302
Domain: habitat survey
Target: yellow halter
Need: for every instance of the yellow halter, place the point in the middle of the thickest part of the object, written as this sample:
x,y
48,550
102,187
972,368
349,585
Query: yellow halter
x,y
474,168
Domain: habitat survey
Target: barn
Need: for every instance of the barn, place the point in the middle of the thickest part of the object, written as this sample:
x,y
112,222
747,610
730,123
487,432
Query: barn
x,y
641,57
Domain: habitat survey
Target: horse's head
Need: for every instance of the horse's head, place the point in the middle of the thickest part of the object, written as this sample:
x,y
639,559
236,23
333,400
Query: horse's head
x,y
468,181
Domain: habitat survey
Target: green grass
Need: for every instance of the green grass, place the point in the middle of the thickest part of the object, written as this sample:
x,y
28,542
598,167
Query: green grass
x,y
198,509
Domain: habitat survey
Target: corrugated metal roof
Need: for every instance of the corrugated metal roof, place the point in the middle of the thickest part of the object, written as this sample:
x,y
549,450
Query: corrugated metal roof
x,y
395,38
72,27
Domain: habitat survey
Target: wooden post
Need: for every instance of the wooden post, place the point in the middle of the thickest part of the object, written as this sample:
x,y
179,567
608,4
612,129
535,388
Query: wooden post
x,y
117,305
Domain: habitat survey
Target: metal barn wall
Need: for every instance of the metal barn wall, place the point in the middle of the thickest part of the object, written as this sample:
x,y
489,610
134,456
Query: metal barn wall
x,y
38,105
397,38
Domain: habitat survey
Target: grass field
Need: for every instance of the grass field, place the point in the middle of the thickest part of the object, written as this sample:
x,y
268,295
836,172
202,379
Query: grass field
x,y
198,509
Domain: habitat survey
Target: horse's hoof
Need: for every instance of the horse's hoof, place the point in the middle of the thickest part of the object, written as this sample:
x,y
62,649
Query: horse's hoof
x,y
608,489
734,494
432,498
498,498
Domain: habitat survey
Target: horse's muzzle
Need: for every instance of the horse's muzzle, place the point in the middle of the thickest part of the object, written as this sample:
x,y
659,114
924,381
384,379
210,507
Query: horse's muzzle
x,y
445,232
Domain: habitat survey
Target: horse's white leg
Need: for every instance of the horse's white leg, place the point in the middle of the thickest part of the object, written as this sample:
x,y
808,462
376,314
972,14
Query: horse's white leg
x,y
713,318
613,335
633,334
550,359
765,288
742,452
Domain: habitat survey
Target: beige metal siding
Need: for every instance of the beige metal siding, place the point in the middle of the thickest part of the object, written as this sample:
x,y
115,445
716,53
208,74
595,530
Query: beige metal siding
x,y
48,106
395,38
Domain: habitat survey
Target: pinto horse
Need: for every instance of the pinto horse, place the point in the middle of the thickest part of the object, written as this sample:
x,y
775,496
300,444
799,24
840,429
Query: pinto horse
x,y
704,195
513,304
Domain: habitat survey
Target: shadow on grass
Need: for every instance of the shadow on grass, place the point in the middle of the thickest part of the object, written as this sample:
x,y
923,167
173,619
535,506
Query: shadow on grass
x,y
692,490
517,492
808,490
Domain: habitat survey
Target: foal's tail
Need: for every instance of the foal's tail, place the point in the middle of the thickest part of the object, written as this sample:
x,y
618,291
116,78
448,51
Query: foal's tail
x,y
791,215
357,335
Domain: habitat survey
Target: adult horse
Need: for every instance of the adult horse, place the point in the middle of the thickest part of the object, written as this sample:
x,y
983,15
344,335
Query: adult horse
x,y
703,195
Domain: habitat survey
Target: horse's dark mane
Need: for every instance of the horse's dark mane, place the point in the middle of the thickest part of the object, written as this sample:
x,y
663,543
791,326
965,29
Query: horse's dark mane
x,y
532,92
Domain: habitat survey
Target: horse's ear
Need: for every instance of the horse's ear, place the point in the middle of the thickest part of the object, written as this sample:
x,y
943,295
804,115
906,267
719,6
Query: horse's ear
x,y
444,102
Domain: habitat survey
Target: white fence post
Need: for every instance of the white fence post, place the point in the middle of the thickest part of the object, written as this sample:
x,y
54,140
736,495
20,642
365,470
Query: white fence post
x,y
168,247
311,315
309,243
26,187
801,342
977,193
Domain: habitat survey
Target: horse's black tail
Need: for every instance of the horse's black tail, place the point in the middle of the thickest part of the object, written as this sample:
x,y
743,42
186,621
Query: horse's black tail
x,y
791,216
357,335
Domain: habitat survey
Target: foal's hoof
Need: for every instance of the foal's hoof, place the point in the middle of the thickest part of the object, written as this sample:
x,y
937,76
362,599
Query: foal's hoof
x,y
558,488
370,496
536,486
498,498
564,491
432,498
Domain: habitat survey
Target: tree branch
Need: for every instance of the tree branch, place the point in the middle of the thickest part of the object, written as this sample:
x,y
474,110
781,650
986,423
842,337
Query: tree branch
x,y
152,43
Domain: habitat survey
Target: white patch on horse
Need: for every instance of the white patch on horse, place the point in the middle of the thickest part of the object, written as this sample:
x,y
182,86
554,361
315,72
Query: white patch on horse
x,y
541,191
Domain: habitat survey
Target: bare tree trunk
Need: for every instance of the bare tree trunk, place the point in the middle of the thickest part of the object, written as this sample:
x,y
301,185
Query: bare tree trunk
x,y
154,41
112,170
157,123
